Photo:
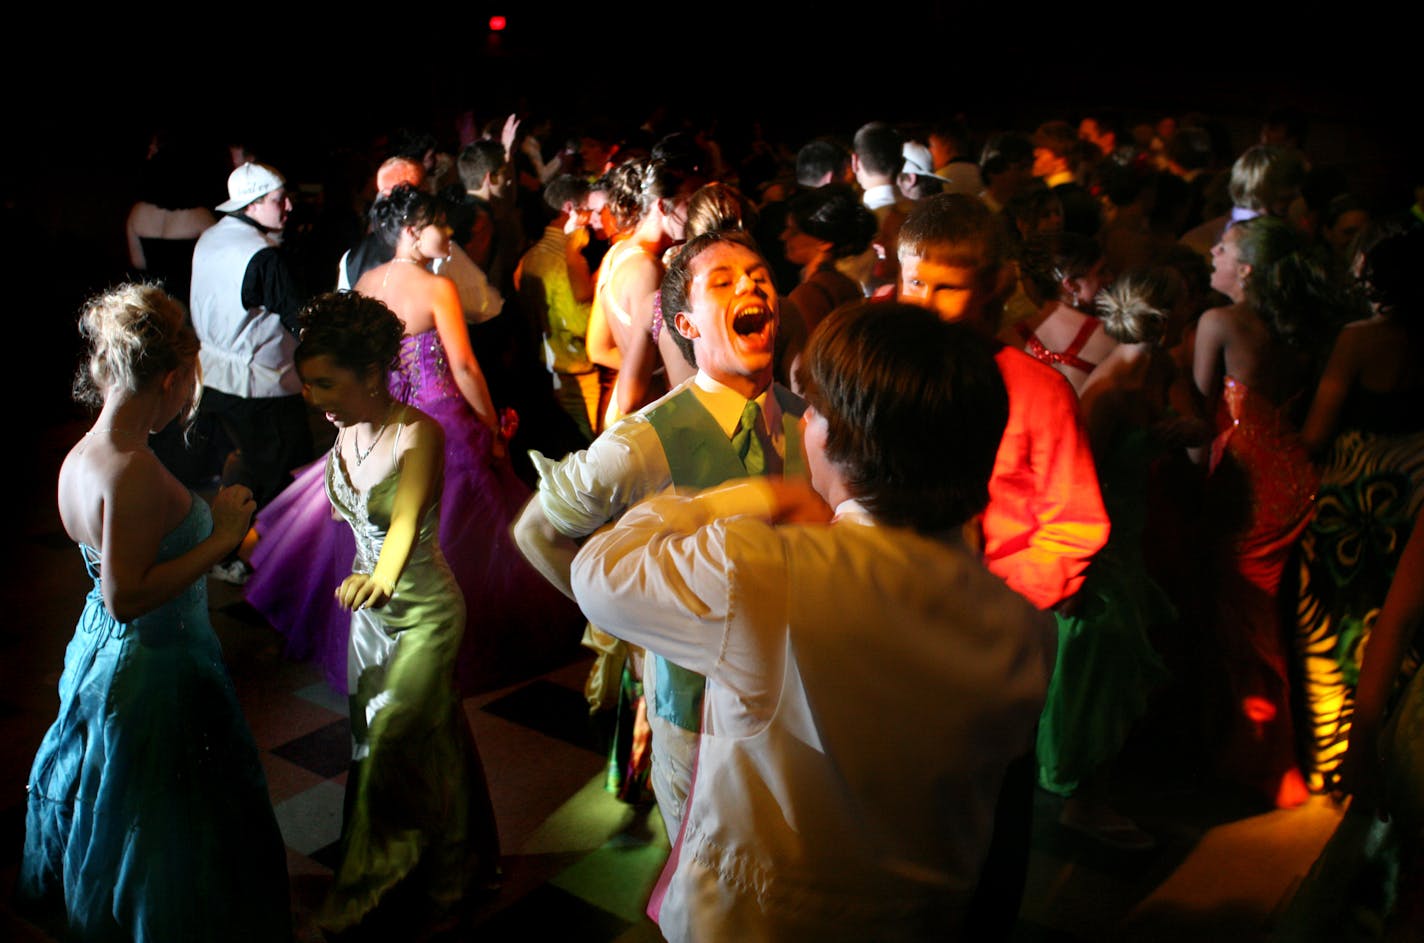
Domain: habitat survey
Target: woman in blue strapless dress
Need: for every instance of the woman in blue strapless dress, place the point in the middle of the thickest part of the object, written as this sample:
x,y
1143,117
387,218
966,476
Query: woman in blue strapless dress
x,y
148,815
515,618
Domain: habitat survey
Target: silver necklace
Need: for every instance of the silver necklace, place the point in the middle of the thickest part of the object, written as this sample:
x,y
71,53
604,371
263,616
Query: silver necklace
x,y
387,277
118,432
356,440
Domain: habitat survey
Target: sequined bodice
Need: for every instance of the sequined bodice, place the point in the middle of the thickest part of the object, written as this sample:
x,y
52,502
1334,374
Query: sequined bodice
x,y
189,607
369,512
422,372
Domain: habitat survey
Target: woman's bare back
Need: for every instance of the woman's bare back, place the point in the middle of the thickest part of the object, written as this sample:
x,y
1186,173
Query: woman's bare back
x,y
405,288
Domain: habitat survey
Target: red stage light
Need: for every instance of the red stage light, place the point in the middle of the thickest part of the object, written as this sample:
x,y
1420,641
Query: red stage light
x,y
496,23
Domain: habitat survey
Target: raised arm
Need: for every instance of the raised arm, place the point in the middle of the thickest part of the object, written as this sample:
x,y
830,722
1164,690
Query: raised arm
x,y
660,579
421,459
547,549
585,491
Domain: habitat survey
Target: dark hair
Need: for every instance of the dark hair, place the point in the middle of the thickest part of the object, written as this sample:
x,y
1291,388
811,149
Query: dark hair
x,y
923,188
1190,148
818,158
951,130
355,331
478,160
955,229
1289,284
880,148
1049,259
680,152
1026,209
1391,276
1082,212
1339,206
1003,151
678,278
413,144
565,188
405,206
663,179
914,407
834,214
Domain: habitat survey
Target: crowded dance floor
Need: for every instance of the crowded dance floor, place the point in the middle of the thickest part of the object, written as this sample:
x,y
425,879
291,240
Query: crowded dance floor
x,y
708,493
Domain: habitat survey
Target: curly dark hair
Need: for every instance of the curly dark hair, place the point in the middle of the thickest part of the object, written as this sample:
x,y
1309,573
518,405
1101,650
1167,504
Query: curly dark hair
x,y
355,331
405,206
835,214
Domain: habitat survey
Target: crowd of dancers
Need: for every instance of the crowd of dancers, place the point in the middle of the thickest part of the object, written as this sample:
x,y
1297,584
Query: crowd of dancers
x,y
932,480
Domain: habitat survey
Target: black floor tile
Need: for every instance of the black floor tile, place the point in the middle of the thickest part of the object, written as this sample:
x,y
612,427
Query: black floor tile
x,y
329,857
555,711
325,751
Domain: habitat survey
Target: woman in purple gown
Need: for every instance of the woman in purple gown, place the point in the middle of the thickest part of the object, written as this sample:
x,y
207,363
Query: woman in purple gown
x,y
515,619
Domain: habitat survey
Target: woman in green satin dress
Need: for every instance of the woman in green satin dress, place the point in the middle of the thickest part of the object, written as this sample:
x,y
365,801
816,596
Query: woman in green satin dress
x,y
420,834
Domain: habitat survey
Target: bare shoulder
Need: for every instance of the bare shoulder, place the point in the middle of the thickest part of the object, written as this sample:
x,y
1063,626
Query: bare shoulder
x,y
97,482
637,267
419,431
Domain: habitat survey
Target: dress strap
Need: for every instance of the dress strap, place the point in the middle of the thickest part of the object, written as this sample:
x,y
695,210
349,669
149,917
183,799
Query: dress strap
x,y
1069,357
1080,340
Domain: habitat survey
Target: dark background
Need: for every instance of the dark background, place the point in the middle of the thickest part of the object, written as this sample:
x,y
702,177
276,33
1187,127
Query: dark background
x,y
316,91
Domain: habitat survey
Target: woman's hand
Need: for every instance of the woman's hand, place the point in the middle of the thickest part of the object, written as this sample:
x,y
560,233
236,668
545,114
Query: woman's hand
x,y
233,508
507,135
363,591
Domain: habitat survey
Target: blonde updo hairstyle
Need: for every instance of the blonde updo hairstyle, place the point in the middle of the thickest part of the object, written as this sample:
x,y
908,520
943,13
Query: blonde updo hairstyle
x,y
1136,307
136,334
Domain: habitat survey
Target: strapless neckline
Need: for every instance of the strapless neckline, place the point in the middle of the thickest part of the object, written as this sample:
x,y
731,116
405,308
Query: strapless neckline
x,y
165,545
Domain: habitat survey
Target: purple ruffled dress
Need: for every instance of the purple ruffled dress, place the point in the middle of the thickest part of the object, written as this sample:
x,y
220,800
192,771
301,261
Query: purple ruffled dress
x,y
516,620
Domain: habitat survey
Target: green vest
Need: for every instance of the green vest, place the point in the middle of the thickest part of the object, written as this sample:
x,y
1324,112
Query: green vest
x,y
700,455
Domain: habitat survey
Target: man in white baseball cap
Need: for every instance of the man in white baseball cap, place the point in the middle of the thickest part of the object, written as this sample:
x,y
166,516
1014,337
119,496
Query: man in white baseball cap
x,y
244,303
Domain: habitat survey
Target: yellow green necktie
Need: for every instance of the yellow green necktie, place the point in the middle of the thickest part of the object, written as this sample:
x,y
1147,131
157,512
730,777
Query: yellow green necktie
x,y
746,441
